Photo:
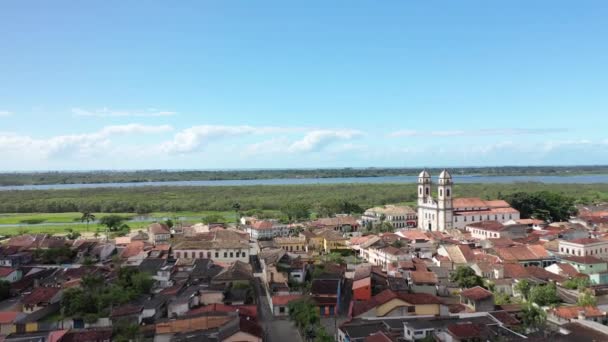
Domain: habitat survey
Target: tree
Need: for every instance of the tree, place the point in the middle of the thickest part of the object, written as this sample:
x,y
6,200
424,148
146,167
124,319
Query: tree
x,y
533,317
523,288
236,206
544,205
544,295
465,277
296,211
87,217
502,298
586,298
397,244
5,289
213,218
169,223
72,235
112,222
577,283
303,313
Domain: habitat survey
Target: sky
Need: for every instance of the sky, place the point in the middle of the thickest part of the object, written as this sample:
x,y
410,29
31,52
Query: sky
x,y
299,84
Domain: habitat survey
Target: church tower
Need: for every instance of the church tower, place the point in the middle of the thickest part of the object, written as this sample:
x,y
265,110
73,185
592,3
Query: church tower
x,y
444,201
424,187
425,200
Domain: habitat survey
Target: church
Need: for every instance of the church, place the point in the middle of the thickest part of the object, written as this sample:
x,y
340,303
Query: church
x,y
446,212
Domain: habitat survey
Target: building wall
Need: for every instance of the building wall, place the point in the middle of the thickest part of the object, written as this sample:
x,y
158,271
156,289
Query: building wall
x,y
220,255
362,293
430,289
599,249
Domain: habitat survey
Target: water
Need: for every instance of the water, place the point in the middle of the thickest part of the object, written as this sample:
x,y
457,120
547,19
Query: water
x,y
459,179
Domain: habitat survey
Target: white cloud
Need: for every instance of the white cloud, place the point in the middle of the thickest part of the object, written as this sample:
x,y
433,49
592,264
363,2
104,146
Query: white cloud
x,y
477,132
5,113
109,113
195,138
64,146
316,140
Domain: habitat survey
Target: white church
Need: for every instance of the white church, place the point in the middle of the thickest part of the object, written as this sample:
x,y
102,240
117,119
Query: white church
x,y
447,212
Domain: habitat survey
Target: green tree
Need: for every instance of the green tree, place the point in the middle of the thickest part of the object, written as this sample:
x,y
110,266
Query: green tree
x,y
544,295
87,217
578,283
72,235
586,298
465,277
523,288
213,218
112,222
533,317
296,211
502,298
236,206
544,205
5,289
303,313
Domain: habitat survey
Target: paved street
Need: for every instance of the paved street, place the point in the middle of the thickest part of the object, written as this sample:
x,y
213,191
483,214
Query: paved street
x,y
275,330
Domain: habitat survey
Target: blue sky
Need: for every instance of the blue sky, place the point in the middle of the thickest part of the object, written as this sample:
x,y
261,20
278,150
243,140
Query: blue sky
x,y
273,84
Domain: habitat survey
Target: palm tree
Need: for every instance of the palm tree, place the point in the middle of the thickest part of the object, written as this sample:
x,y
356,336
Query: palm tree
x,y
87,217
237,210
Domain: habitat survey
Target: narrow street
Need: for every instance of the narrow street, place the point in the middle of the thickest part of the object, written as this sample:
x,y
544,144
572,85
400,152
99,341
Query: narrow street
x,y
275,330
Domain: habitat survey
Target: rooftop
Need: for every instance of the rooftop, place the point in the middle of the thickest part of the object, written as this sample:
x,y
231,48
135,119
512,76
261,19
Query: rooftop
x,y
476,293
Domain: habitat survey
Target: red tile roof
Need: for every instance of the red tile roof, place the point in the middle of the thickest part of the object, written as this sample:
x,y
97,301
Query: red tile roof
x,y
284,300
588,259
570,312
522,253
505,318
515,271
476,293
243,310
494,226
363,282
251,328
260,225
378,337
358,308
40,295
6,271
421,277
465,330
7,317
543,274
472,202
134,248
159,228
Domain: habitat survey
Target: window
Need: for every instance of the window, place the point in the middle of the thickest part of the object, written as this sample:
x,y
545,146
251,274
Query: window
x,y
208,255
231,255
225,254
177,255
282,309
217,254
447,192
440,192
420,191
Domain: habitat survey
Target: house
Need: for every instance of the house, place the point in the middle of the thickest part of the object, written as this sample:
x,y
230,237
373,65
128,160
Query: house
x,y
159,233
130,313
423,282
135,252
494,230
595,268
292,244
159,270
478,299
457,255
237,273
333,241
7,321
220,246
584,247
527,255
340,223
399,216
267,229
12,256
565,270
10,274
391,303
326,293
362,289
420,245
40,298
564,314
280,304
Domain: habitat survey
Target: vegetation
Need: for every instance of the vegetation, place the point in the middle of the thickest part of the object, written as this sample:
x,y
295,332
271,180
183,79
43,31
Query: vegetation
x,y
587,298
263,197
96,297
466,278
533,317
544,205
523,288
87,217
305,314
58,255
544,295
87,177
577,283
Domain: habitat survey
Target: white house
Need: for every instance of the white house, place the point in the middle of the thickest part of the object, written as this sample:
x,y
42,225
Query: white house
x,y
584,247
267,229
399,216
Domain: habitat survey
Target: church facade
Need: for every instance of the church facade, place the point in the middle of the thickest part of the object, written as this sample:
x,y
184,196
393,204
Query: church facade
x,y
446,212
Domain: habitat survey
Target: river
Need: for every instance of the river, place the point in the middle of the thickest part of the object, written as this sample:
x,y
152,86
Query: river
x,y
458,179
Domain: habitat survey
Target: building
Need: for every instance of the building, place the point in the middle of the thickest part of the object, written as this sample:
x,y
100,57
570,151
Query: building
x,y
340,223
445,212
399,216
280,304
584,247
40,298
292,244
159,233
267,229
423,282
223,246
496,230
10,274
362,289
478,299
390,303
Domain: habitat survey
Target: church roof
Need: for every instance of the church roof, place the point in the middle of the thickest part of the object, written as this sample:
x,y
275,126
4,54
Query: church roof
x,y
424,174
445,175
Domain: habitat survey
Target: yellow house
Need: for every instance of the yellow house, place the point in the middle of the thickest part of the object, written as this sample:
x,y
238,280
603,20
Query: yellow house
x,y
292,244
390,303
332,240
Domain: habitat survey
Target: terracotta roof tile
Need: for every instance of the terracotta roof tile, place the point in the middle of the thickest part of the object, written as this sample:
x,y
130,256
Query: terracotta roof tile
x,y
476,293
421,277
570,312
465,330
284,300
40,295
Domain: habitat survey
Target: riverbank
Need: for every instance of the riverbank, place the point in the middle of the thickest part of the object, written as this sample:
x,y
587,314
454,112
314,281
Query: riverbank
x,y
153,176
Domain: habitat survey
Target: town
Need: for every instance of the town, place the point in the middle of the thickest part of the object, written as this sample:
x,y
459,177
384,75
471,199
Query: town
x,y
451,269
